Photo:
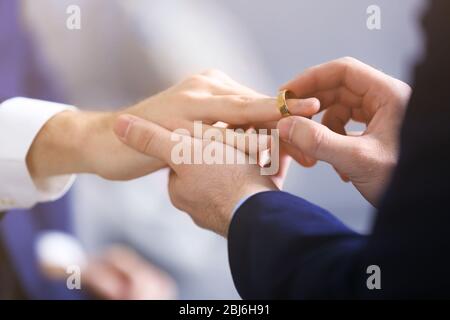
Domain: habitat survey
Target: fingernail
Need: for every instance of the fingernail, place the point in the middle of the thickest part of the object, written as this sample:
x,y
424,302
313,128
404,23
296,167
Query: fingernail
x,y
122,125
304,107
285,127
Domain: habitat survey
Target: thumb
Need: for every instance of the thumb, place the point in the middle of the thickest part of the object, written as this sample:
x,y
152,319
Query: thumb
x,y
145,136
317,141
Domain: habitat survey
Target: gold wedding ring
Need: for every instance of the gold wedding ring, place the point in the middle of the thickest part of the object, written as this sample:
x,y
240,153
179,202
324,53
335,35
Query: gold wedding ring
x,y
283,95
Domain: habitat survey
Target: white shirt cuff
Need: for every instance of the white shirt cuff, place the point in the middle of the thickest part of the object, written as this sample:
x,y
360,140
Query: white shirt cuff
x,y
21,119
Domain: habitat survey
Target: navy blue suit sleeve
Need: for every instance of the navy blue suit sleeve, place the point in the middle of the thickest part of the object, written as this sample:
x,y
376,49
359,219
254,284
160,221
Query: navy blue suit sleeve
x,y
281,246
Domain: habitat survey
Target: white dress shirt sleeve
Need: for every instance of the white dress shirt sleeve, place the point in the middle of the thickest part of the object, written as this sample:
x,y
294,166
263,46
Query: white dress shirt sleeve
x,y
21,119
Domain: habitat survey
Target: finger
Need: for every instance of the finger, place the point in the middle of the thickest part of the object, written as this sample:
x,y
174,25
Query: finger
x,y
284,164
339,95
319,142
147,137
292,151
216,73
216,82
359,115
298,155
251,142
347,72
336,118
269,125
343,177
248,141
241,110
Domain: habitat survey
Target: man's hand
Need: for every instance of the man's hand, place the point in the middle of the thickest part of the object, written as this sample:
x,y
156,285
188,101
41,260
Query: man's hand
x,y
350,90
208,192
83,142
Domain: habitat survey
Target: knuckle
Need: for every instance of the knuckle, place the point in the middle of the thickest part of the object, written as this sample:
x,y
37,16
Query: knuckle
x,y
347,60
309,70
212,72
197,80
189,96
242,101
202,83
145,141
315,141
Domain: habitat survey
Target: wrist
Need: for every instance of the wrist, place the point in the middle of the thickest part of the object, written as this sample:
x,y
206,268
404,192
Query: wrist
x,y
62,145
54,150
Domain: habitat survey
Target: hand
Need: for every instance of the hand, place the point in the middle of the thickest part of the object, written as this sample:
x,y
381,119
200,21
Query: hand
x,y
348,89
121,274
208,192
75,142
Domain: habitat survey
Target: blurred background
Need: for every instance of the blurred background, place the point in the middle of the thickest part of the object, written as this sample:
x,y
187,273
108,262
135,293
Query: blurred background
x,y
128,50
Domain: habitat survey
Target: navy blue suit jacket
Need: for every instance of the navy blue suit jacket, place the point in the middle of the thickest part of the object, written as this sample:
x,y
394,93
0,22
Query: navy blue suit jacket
x,y
281,246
